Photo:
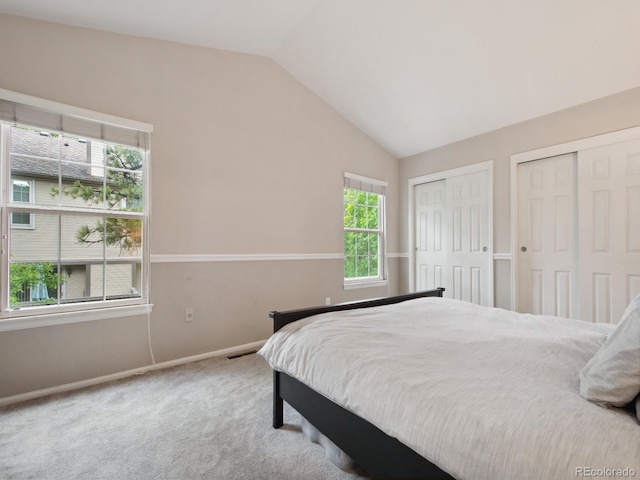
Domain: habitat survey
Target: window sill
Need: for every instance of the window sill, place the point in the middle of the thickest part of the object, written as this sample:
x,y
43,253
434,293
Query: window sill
x,y
365,284
46,320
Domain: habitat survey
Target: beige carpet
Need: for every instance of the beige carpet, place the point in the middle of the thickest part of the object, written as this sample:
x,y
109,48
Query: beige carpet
x,y
206,420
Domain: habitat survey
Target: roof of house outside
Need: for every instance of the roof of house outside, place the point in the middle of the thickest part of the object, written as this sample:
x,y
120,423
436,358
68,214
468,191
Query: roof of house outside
x,y
28,147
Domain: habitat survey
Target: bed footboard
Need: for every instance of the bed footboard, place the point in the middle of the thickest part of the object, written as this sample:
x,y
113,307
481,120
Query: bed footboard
x,y
280,319
380,455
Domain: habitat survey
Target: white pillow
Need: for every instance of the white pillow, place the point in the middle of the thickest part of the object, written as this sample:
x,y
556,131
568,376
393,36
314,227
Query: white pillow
x,y
612,376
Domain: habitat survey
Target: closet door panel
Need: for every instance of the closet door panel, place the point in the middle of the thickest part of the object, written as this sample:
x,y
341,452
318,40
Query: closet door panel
x,y
430,235
546,232
609,229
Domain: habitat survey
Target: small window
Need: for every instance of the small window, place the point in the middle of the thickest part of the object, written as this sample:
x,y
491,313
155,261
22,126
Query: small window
x,y
363,230
21,192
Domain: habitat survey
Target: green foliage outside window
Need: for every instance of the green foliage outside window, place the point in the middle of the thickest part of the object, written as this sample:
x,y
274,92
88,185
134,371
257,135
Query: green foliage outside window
x,y
27,276
362,233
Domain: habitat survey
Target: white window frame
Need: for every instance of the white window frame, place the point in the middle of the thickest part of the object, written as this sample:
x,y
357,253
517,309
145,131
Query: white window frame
x,y
369,185
38,316
31,224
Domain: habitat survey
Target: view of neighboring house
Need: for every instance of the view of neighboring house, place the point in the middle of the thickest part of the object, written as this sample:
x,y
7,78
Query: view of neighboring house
x,y
45,168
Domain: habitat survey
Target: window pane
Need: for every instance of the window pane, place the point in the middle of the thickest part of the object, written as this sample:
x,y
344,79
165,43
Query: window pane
x,y
124,190
74,149
136,289
123,237
373,243
32,284
373,266
349,215
33,276
44,176
81,238
83,173
361,209
124,178
28,143
349,195
350,266
362,244
372,218
367,266
37,244
77,285
123,280
362,266
95,282
21,219
361,254
80,187
350,243
125,158
361,216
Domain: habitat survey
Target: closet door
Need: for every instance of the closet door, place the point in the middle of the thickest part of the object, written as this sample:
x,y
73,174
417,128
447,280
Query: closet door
x,y
452,237
468,258
546,232
430,235
609,235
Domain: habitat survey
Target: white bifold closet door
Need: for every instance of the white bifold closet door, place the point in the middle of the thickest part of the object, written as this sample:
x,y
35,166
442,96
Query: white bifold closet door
x,y
579,233
609,235
452,222
430,241
546,231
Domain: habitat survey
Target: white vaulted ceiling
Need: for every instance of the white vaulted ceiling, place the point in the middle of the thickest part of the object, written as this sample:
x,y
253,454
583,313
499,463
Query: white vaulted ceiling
x,y
412,74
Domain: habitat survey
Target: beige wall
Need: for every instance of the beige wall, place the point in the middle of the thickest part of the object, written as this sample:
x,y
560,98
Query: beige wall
x,y
245,160
605,115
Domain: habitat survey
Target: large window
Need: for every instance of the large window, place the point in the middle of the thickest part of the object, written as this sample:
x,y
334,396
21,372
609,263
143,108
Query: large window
x,y
75,235
363,230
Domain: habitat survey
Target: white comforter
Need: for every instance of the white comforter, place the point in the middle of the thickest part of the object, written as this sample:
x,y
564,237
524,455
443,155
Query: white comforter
x,y
482,393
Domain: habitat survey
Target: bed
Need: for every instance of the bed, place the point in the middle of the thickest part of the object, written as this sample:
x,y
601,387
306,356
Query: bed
x,y
423,387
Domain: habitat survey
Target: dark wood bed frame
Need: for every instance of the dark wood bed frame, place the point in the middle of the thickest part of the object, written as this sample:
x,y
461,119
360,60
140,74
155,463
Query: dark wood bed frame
x,y
378,454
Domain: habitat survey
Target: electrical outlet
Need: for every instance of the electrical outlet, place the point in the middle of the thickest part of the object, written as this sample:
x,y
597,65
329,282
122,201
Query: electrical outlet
x,y
188,316
327,301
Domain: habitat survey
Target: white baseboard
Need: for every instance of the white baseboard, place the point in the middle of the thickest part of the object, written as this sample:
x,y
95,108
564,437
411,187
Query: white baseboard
x,y
67,387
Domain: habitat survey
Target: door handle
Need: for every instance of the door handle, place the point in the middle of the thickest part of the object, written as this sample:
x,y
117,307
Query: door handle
x,y
484,249
523,249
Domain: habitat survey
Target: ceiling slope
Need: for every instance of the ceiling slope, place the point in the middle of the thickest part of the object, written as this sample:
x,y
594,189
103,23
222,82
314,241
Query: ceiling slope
x,y
412,74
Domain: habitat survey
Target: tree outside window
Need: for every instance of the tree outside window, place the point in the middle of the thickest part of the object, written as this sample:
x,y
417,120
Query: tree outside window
x,y
363,234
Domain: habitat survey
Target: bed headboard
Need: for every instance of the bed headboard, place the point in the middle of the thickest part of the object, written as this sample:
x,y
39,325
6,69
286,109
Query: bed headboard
x,y
280,319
